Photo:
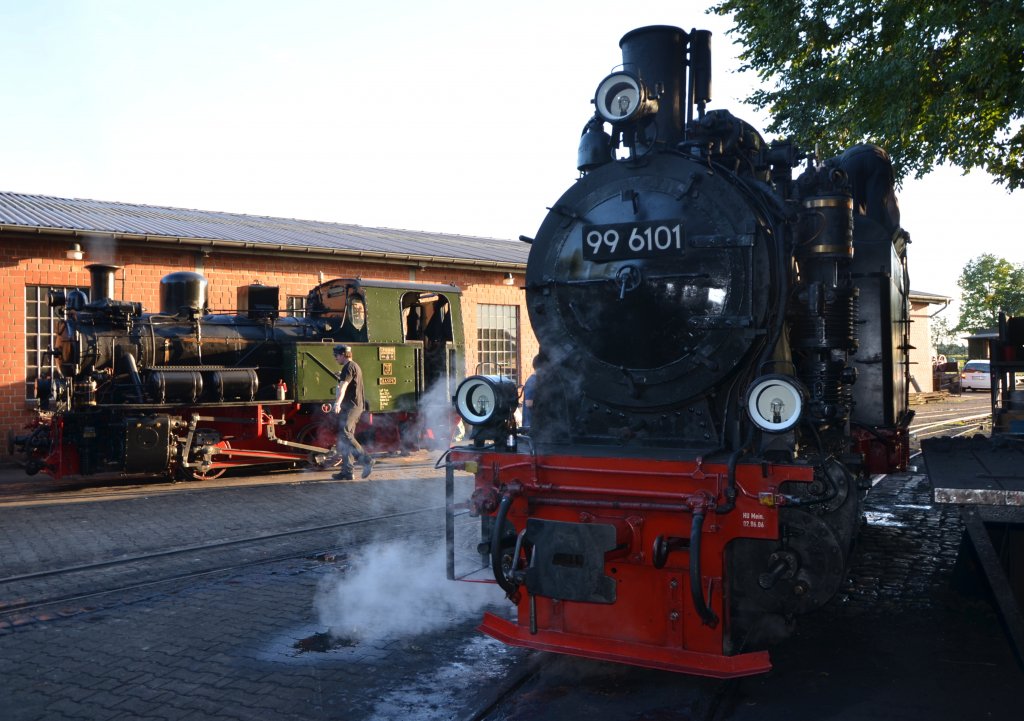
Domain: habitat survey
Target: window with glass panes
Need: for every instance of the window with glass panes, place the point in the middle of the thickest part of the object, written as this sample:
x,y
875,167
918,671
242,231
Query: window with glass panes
x,y
295,305
40,324
497,340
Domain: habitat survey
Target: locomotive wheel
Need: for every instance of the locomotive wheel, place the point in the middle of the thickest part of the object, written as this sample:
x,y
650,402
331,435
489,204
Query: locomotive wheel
x,y
314,435
195,474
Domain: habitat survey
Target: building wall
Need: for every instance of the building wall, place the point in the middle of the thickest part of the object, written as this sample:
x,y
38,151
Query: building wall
x,y
921,353
33,260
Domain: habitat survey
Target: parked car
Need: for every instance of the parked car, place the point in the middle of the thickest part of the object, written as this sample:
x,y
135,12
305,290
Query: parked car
x,y
976,376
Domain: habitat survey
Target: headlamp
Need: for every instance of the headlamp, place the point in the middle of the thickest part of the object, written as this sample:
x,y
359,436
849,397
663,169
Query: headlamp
x,y
487,403
622,98
775,403
482,400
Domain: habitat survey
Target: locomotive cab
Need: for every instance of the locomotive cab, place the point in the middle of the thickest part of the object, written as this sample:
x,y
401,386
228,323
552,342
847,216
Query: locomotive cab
x,y
344,300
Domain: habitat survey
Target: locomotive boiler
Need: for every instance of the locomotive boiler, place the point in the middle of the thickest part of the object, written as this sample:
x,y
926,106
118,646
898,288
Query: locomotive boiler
x,y
723,366
191,393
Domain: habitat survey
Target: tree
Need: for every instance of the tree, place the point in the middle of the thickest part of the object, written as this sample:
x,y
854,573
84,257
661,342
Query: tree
x,y
932,82
989,284
946,340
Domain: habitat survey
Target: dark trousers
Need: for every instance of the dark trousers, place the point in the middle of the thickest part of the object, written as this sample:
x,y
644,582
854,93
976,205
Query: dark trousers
x,y
348,447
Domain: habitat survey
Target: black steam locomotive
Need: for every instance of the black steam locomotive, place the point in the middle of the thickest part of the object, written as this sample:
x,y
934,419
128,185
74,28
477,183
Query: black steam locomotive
x,y
723,367
190,393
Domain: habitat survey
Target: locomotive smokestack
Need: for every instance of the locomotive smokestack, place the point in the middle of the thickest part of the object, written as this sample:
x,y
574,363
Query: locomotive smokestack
x,y
657,54
101,283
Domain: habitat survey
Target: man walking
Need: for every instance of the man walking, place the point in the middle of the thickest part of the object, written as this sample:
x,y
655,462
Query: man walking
x,y
348,405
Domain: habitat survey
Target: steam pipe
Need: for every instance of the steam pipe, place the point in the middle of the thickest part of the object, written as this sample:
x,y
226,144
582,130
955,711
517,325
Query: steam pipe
x,y
133,371
696,592
730,485
499,522
618,505
700,72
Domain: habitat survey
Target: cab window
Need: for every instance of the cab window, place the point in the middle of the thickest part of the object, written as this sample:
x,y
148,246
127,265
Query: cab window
x,y
427,317
354,326
357,312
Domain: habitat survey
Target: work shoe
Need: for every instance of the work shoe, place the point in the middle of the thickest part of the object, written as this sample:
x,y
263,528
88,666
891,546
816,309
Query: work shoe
x,y
368,467
343,476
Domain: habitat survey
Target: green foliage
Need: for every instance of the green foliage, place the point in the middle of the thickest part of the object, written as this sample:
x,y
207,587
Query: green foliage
x,y
932,82
947,341
989,284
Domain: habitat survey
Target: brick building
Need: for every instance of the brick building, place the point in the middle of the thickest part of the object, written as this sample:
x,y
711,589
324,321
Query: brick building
x,y
47,242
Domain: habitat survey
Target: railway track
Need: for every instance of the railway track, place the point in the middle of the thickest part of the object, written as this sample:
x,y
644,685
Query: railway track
x,y
36,596
548,687
956,416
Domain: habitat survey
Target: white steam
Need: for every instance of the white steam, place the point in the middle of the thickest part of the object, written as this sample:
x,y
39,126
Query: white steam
x,y
398,589
436,420
100,249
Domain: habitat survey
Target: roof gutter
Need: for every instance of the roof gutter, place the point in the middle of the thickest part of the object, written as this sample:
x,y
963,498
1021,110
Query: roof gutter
x,y
944,306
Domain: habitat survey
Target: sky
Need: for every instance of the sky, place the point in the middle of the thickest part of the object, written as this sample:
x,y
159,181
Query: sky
x,y
454,116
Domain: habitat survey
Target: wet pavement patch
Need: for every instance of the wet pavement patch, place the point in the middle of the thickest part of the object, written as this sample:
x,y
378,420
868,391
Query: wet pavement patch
x,y
323,642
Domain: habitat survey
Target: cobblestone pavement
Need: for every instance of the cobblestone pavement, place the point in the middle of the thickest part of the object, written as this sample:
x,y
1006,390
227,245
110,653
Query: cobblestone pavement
x,y
250,642
244,643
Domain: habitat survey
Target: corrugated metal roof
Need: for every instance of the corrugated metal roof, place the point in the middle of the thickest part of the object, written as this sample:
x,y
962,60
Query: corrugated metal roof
x,y
43,213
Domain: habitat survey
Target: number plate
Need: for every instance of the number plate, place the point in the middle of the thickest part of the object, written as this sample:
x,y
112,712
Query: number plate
x,y
622,241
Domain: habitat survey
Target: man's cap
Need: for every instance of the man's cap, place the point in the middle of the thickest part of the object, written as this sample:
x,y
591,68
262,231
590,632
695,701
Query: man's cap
x,y
342,349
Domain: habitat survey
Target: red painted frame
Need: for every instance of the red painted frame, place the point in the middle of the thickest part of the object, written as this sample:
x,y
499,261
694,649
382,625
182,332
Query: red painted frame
x,y
653,622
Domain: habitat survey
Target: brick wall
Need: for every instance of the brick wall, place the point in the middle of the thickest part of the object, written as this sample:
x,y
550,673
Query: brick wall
x,y
496,294
30,260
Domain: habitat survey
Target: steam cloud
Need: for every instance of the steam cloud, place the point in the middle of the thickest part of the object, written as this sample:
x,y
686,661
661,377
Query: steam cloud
x,y
100,249
436,416
398,588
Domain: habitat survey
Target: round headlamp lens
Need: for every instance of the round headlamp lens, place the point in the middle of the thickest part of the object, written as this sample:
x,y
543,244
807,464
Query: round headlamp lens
x,y
775,403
